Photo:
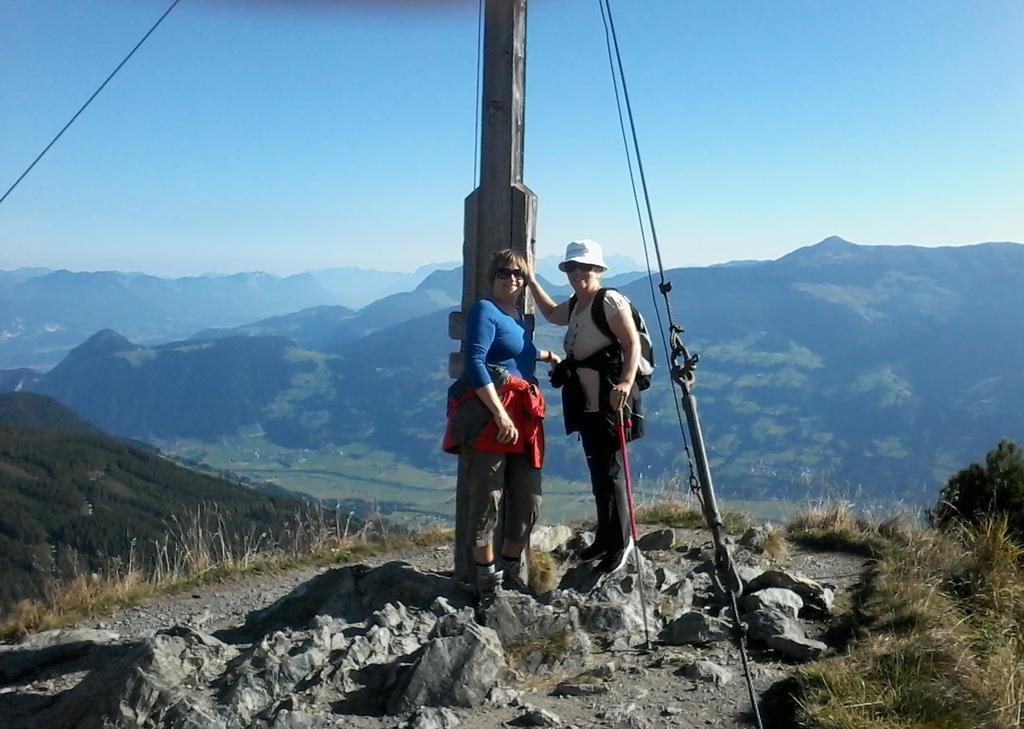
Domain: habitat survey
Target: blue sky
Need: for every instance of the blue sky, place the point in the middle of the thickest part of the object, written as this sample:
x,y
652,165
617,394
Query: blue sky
x,y
289,136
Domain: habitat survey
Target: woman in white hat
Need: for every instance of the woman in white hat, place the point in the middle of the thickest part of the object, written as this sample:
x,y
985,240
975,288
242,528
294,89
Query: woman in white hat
x,y
598,380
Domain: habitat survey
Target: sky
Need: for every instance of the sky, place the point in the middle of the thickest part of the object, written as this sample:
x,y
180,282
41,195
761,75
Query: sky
x,y
292,136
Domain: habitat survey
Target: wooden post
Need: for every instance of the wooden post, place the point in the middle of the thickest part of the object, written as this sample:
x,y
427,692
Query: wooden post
x,y
501,212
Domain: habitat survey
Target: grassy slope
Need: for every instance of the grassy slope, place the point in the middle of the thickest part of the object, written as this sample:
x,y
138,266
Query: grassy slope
x,y
937,632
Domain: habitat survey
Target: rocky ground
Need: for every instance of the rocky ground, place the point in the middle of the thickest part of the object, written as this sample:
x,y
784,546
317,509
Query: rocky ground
x,y
392,643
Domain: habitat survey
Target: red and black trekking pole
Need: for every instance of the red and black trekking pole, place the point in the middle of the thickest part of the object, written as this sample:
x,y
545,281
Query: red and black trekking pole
x,y
632,523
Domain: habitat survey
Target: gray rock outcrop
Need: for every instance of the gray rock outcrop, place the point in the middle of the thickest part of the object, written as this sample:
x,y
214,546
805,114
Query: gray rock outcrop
x,y
815,595
395,640
538,639
549,538
49,648
707,672
659,539
773,599
164,682
694,628
783,634
459,669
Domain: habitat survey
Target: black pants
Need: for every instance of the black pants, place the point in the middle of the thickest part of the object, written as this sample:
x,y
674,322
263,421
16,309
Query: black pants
x,y
607,479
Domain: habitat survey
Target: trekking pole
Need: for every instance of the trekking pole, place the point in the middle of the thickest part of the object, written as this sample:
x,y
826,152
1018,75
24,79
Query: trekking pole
x,y
632,523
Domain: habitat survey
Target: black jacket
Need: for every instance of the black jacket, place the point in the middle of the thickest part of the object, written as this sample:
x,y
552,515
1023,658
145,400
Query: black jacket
x,y
608,363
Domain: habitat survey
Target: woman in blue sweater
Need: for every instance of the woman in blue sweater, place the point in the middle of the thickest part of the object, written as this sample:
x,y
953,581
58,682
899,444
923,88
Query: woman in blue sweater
x,y
503,456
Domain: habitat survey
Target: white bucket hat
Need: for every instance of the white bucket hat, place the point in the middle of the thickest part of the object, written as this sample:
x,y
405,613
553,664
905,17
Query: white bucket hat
x,y
583,251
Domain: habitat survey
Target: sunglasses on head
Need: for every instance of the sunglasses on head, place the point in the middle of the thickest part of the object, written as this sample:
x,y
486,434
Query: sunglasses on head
x,y
572,266
510,272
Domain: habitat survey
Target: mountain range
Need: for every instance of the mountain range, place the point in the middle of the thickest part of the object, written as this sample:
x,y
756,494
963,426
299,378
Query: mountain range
x,y
44,313
838,369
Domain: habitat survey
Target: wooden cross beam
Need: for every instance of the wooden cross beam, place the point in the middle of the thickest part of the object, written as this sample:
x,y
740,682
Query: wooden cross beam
x,y
502,211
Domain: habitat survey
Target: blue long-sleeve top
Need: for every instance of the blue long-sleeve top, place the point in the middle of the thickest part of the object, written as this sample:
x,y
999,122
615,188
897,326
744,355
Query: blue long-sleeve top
x,y
494,337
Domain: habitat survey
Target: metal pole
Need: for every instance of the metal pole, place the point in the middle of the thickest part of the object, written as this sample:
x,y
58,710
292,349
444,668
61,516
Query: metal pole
x,y
726,568
726,574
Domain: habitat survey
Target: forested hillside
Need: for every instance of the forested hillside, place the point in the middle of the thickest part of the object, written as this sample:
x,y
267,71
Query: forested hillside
x,y
72,503
41,412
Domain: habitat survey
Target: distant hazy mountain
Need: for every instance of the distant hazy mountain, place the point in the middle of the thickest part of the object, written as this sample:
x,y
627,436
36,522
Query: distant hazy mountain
x,y
311,327
838,367
9,279
442,289
199,389
41,318
330,327
356,287
19,379
43,314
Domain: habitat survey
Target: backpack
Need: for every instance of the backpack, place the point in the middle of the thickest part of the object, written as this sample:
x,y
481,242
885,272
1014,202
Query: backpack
x,y
646,365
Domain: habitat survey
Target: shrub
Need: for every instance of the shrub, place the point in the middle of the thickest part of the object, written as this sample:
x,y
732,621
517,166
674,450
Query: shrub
x,y
993,489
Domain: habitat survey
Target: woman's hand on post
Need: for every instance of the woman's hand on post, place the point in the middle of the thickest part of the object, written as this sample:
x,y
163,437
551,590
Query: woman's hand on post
x,y
507,432
540,297
531,274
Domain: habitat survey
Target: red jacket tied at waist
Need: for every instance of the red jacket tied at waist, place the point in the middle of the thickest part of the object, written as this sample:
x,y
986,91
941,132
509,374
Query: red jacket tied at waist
x,y
524,404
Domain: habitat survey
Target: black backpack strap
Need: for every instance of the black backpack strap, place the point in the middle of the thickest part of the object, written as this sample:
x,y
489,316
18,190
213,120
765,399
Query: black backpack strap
x,y
599,315
572,304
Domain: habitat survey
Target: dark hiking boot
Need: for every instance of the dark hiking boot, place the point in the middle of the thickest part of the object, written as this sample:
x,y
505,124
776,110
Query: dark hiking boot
x,y
488,584
615,560
513,578
594,551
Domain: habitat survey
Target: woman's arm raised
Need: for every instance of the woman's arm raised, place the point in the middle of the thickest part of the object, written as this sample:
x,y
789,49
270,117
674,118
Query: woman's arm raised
x,y
544,302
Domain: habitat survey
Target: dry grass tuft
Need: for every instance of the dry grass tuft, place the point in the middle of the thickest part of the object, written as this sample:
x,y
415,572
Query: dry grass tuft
x,y
992,546
775,544
941,639
835,525
552,647
543,572
83,597
687,515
